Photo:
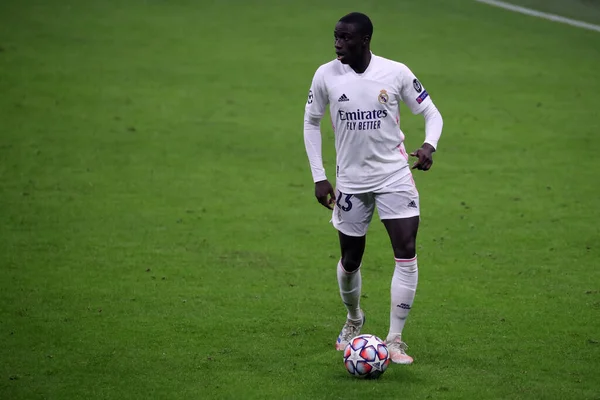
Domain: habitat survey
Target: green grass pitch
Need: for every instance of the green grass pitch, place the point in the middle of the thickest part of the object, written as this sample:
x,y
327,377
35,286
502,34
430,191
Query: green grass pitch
x,y
159,238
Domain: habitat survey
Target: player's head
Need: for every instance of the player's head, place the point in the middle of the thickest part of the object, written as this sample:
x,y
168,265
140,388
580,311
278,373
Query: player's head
x,y
352,37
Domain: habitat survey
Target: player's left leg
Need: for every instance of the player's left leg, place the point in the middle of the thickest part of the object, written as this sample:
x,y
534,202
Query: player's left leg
x,y
403,235
398,208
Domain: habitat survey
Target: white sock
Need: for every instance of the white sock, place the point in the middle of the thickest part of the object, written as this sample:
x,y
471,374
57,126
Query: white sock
x,y
404,286
350,284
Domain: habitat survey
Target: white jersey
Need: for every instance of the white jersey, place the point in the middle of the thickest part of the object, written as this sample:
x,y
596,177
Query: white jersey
x,y
365,113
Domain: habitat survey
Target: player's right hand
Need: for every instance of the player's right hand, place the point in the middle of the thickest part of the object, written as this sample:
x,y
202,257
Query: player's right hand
x,y
325,194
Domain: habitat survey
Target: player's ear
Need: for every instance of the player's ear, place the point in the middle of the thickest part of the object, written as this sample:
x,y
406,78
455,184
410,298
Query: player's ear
x,y
366,39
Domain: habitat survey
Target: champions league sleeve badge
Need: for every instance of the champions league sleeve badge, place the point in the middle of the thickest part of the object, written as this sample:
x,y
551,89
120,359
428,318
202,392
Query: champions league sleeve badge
x,y
417,85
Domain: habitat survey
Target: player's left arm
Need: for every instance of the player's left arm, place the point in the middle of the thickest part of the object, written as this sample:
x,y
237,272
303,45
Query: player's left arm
x,y
416,97
433,130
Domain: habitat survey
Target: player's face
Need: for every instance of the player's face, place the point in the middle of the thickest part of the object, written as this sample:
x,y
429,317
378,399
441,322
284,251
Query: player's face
x,y
349,44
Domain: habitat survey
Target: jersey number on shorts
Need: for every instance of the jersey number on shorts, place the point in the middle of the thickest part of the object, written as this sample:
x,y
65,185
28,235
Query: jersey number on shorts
x,y
348,205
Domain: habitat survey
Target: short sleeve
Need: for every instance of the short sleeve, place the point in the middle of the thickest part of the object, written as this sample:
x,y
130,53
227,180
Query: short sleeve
x,y
317,96
412,92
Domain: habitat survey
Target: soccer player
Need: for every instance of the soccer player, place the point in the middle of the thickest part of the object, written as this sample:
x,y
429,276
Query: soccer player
x,y
364,92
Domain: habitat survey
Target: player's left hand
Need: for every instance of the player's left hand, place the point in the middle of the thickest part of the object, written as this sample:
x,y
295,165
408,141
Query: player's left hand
x,y
425,157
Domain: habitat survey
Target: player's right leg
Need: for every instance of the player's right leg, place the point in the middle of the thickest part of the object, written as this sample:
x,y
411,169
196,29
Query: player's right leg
x,y
351,217
350,284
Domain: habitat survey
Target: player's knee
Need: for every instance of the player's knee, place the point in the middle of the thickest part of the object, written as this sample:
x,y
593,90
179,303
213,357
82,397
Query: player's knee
x,y
406,249
349,264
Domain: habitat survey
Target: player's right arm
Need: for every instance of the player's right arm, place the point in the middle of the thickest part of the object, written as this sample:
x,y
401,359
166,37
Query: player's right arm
x,y
313,113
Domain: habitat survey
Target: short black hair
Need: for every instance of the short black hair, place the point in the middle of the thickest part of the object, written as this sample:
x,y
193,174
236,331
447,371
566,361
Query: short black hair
x,y
364,24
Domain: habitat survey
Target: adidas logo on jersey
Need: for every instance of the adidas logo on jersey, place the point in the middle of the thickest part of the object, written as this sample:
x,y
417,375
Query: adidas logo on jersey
x,y
412,204
343,98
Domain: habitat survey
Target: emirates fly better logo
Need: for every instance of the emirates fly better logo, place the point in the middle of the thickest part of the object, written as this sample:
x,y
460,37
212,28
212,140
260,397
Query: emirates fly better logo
x,y
360,120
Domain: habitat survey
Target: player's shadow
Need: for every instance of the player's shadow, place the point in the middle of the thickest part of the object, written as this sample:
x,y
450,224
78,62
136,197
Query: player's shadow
x,y
394,374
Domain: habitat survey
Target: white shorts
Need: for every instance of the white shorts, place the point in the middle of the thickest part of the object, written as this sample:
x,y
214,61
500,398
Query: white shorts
x,y
352,213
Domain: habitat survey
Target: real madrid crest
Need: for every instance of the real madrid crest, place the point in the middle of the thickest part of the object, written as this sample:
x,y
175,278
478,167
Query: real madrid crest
x,y
383,97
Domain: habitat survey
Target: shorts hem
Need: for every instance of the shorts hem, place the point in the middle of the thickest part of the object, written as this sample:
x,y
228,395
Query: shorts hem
x,y
403,216
346,232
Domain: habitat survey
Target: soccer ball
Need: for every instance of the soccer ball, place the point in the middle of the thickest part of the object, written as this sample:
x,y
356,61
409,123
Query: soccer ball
x,y
366,356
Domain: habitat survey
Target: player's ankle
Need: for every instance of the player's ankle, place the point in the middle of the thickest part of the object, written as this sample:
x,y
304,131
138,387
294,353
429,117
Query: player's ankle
x,y
355,315
393,337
